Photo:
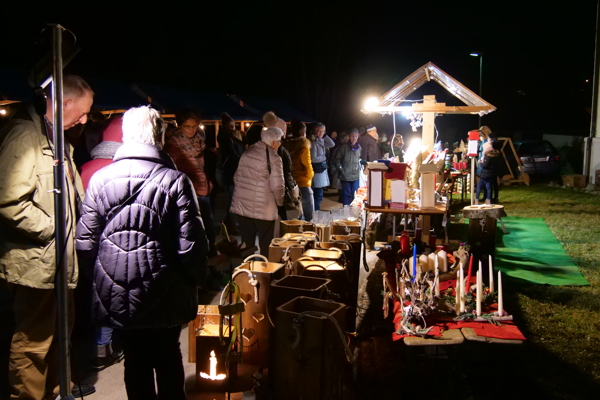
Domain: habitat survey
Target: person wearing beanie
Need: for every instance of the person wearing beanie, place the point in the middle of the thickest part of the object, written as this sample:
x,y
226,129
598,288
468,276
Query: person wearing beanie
x,y
259,191
320,143
292,203
299,147
346,161
368,144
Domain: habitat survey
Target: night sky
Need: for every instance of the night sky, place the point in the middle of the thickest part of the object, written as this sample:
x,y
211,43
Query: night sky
x,y
326,59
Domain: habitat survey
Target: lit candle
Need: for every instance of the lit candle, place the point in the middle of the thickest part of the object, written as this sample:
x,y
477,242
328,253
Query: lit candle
x,y
479,291
500,299
469,273
213,364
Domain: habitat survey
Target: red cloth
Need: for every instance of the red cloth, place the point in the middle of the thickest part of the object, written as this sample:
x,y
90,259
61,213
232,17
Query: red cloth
x,y
507,329
89,168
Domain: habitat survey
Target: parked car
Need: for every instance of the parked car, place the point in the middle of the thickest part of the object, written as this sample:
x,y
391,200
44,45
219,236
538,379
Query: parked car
x,y
539,157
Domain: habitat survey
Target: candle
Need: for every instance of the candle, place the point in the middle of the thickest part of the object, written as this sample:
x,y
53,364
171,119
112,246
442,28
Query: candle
x,y
414,261
213,364
469,273
500,299
479,291
457,300
462,290
491,278
437,282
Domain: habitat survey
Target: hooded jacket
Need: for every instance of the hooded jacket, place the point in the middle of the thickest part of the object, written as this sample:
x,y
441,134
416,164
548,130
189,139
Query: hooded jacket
x,y
27,251
257,192
145,259
299,148
490,165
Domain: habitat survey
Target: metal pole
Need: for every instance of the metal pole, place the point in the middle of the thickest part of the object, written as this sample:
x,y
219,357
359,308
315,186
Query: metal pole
x,y
473,180
60,216
587,154
480,81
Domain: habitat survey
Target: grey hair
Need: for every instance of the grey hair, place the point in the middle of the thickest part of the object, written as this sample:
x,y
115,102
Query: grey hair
x,y
74,87
271,135
143,125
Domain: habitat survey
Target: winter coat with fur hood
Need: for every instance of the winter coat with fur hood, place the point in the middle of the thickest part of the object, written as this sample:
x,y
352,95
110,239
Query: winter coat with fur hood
x,y
146,260
257,192
299,148
490,165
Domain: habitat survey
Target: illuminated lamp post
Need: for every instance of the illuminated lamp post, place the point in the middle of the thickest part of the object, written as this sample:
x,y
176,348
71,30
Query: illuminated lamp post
x,y
480,55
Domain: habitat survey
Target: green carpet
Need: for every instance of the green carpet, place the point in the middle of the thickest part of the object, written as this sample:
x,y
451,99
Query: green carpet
x,y
531,252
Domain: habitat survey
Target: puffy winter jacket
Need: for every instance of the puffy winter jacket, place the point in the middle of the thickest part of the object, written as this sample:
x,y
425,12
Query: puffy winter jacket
x,y
318,153
146,259
299,148
490,165
258,193
346,162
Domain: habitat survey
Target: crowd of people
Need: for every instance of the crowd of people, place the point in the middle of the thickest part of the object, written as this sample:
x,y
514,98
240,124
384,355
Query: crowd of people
x,y
141,227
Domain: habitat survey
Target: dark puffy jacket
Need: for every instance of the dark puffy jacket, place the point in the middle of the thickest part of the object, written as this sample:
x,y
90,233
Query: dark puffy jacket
x,y
490,165
145,261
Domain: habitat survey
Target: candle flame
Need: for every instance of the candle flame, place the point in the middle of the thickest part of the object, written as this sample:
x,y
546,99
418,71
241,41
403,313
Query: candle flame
x,y
213,370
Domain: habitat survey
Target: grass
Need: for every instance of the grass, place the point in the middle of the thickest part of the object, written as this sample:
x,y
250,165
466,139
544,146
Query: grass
x,y
562,324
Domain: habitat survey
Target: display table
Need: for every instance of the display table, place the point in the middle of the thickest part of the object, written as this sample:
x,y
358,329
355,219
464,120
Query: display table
x,y
441,208
449,337
463,177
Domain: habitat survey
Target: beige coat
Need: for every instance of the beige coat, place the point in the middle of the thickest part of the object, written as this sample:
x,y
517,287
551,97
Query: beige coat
x,y
27,251
258,193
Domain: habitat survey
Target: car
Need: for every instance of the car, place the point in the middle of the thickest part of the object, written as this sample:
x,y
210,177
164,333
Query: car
x,y
539,157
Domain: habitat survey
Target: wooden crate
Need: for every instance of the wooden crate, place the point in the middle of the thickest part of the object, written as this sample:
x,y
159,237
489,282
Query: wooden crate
x,y
575,180
309,358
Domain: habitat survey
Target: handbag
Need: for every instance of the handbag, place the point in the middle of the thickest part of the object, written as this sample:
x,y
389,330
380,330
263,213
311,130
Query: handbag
x,y
319,167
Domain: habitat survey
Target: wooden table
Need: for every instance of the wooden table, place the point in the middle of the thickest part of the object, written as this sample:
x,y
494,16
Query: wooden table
x,y
470,334
441,208
449,337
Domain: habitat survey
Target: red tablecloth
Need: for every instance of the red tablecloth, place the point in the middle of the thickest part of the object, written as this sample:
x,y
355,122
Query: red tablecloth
x,y
507,329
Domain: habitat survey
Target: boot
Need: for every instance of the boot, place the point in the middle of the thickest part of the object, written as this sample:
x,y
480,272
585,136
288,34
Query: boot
x,y
488,202
105,357
476,202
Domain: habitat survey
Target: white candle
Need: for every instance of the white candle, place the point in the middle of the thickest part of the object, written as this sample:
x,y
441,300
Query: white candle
x,y
491,277
500,299
479,292
437,277
213,364
457,300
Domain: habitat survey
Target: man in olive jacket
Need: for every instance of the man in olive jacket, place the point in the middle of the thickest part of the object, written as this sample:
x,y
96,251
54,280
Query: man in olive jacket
x,y
27,251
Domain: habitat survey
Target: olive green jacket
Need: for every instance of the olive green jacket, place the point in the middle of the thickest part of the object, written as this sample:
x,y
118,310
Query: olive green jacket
x,y
27,251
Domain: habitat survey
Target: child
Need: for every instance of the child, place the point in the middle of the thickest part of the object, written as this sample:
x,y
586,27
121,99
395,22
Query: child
x,y
490,165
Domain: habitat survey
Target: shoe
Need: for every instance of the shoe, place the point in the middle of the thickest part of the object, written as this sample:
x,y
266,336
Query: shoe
x,y
476,202
82,390
106,357
488,202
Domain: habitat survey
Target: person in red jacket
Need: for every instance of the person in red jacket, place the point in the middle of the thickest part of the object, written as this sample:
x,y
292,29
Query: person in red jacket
x,y
102,155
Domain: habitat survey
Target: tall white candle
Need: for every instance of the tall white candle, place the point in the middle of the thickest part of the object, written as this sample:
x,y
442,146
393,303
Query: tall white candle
x,y
479,291
437,277
500,299
457,300
491,278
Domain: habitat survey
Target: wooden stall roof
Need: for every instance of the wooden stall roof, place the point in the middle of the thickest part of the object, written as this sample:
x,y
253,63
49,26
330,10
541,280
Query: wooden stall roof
x,y
392,99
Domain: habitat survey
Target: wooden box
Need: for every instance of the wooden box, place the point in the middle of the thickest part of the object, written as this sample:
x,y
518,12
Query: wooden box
x,y
295,226
345,227
208,345
255,319
309,357
280,248
578,181
292,286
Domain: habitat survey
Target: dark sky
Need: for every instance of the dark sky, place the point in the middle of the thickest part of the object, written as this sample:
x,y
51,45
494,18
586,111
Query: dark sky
x,y
326,58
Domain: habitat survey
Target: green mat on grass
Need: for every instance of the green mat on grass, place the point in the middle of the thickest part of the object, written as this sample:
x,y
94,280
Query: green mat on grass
x,y
531,252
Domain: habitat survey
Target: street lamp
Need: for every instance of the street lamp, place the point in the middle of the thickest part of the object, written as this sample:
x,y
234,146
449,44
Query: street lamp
x,y
480,55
